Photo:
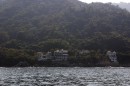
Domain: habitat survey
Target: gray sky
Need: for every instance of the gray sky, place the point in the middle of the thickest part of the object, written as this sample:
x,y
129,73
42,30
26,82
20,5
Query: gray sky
x,y
104,1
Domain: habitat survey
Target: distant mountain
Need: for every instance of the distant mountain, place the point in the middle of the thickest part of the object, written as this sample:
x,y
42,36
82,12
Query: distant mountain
x,y
123,5
43,25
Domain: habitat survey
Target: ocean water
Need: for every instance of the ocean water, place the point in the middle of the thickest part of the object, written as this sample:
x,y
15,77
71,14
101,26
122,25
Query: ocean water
x,y
61,76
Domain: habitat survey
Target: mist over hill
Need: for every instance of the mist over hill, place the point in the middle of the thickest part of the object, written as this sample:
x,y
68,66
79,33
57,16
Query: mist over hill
x,y
123,5
43,25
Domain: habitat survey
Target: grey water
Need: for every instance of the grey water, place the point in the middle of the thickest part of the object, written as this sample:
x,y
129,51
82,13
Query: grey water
x,y
61,76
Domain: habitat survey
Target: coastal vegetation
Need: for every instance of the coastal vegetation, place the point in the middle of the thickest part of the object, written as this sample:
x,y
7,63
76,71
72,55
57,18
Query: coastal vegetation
x,y
31,26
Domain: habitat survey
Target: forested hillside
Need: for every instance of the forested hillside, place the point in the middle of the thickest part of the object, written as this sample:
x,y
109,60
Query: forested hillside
x,y
43,25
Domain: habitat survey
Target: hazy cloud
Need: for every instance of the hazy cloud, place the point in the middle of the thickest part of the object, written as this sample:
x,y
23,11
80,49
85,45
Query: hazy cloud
x,y
104,1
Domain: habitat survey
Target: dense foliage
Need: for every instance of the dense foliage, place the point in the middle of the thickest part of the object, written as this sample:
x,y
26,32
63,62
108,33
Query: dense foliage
x,y
43,25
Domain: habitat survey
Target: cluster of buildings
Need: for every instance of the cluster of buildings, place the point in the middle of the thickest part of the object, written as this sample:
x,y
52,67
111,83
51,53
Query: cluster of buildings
x,y
58,55
62,55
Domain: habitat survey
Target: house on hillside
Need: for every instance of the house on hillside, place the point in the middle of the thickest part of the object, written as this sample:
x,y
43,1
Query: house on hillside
x,y
58,55
112,56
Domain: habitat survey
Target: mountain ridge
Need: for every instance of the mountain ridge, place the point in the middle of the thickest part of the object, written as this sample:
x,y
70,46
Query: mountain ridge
x,y
31,26
123,5
36,22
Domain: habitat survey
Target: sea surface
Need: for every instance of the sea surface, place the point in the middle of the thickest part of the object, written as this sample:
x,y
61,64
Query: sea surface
x,y
61,76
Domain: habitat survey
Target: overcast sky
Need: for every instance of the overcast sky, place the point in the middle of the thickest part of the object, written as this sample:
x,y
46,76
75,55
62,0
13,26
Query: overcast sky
x,y
104,1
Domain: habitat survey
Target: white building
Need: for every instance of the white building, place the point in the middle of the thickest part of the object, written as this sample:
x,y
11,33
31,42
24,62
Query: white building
x,y
58,55
112,56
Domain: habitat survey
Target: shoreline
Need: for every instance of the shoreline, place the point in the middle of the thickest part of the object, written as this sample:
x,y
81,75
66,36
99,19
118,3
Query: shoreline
x,y
70,67
108,66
